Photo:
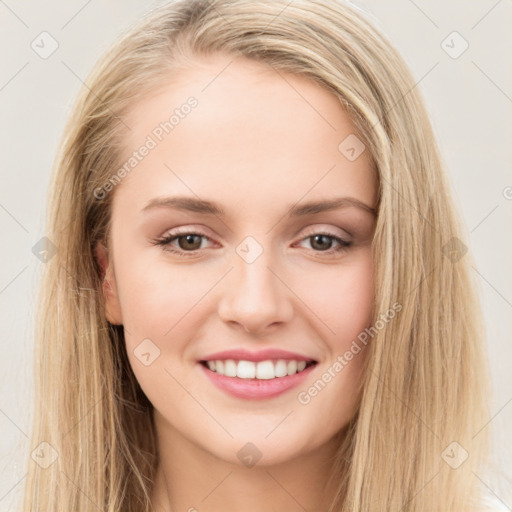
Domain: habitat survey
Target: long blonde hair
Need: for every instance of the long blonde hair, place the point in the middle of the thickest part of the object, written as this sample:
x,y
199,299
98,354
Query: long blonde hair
x,y
424,393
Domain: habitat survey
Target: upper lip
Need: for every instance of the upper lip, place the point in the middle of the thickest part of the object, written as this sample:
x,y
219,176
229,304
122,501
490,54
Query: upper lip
x,y
261,355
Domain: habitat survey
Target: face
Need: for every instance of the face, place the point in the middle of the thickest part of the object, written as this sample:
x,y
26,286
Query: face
x,y
237,264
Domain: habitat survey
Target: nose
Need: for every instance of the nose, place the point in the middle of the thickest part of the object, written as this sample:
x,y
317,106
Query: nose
x,y
255,296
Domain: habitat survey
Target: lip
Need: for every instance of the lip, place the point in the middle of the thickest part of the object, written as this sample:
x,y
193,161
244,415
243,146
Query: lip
x,y
253,389
261,355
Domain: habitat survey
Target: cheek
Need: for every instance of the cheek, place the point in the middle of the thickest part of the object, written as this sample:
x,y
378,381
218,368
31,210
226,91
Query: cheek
x,y
346,308
352,300
156,296
160,309
342,298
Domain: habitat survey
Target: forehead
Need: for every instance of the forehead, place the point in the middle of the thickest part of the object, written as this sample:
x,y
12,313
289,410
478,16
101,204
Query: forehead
x,y
254,132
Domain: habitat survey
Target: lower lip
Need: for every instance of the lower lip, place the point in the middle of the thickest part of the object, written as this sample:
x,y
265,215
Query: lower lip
x,y
256,388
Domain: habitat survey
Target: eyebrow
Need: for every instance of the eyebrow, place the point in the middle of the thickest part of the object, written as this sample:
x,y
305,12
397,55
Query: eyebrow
x,y
197,205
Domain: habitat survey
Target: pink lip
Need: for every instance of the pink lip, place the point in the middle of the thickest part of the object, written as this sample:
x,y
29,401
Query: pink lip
x,y
256,388
262,355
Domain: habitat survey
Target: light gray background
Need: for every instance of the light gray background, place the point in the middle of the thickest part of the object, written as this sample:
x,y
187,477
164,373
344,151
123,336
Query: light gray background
x,y
469,99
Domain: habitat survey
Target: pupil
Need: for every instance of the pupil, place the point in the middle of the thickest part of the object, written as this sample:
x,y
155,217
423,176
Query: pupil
x,y
325,238
189,240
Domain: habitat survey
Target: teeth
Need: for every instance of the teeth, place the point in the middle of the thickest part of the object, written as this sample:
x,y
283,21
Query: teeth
x,y
230,368
292,367
245,370
263,370
281,369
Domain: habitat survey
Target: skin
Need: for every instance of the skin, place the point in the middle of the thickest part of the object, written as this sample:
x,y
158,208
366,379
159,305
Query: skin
x,y
257,142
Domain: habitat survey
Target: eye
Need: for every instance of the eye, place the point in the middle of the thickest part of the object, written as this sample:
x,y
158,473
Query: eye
x,y
323,242
183,242
187,241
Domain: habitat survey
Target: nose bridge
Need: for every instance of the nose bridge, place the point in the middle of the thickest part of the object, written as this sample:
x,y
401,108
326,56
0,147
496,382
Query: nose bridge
x,y
254,295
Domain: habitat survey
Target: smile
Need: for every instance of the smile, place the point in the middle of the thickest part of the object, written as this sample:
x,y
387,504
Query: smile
x,y
262,370
251,380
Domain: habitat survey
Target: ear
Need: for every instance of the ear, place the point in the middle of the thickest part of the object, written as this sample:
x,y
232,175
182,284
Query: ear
x,y
113,307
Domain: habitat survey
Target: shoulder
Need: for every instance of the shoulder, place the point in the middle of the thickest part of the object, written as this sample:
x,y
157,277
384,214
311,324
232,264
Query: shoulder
x,y
491,503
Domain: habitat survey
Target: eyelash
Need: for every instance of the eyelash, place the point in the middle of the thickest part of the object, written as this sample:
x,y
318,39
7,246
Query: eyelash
x,y
166,241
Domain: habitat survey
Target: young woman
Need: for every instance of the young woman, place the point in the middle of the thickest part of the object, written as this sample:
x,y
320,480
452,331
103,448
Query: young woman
x,y
261,297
